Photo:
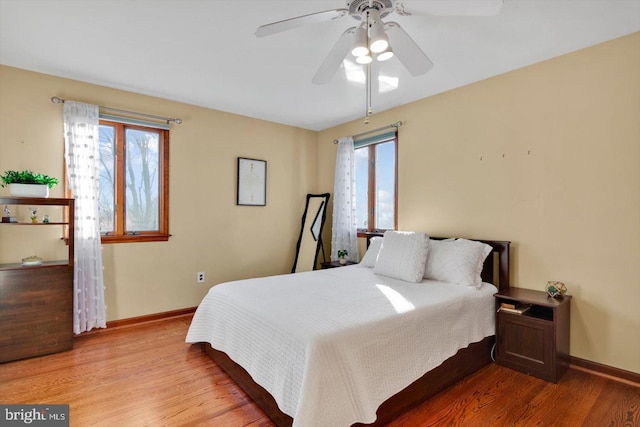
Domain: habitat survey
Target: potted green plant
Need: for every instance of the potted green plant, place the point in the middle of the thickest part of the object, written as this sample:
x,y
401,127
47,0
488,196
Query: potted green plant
x,y
342,254
27,183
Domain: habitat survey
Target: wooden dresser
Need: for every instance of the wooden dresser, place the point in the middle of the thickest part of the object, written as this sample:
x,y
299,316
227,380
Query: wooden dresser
x,y
36,302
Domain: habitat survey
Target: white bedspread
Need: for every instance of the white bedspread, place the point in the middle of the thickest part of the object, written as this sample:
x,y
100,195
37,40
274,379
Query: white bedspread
x,y
332,345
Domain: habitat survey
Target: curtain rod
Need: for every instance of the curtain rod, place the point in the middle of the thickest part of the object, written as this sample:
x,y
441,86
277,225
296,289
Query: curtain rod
x,y
392,125
176,120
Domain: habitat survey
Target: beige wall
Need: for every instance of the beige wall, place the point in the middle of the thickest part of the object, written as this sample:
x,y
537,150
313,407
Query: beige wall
x,y
548,157
210,233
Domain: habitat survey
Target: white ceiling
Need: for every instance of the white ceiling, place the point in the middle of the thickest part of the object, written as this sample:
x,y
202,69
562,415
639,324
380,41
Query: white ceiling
x,y
204,52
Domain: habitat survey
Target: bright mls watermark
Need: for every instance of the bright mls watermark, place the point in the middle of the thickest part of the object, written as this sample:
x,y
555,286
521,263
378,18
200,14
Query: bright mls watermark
x,y
34,415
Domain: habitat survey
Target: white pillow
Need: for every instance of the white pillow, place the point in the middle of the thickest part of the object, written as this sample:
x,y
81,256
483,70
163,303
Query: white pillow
x,y
482,250
403,255
440,251
458,261
371,256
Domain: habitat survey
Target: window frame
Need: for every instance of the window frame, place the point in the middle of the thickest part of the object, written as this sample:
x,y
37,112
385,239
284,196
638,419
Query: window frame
x,y
119,235
371,208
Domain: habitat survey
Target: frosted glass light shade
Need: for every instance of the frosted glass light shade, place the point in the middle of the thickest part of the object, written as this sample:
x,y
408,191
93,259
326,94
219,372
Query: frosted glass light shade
x,y
385,55
378,40
360,47
366,59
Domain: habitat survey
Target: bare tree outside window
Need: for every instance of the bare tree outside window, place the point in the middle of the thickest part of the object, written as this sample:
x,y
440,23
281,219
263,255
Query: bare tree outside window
x,y
106,195
142,155
133,193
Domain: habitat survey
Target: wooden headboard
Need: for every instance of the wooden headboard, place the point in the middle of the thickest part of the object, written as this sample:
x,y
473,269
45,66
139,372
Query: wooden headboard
x,y
496,267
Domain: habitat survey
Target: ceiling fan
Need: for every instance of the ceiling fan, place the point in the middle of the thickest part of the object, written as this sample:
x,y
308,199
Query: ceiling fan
x,y
373,38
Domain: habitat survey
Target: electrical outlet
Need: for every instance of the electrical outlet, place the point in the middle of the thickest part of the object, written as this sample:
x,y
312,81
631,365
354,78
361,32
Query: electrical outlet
x,y
201,277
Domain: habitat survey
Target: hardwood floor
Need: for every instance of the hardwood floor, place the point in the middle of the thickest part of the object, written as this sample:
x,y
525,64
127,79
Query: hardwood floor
x,y
145,375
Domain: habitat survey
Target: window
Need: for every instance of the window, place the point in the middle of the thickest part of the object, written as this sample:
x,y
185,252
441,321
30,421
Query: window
x,y
134,183
376,183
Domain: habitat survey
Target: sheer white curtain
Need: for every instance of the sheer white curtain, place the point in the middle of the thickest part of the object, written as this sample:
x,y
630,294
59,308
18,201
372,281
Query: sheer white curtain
x,y
345,233
81,122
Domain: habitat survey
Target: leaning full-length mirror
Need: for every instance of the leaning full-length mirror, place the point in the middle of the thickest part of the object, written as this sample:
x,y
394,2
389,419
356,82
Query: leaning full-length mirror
x,y
310,240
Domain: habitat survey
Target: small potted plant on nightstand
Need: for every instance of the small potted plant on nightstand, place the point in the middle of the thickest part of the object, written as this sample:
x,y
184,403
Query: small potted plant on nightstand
x,y
27,183
342,254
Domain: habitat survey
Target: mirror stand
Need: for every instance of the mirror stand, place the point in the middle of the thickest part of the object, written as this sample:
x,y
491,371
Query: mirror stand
x,y
310,240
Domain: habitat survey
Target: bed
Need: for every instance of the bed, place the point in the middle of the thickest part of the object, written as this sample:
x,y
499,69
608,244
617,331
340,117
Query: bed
x,y
349,346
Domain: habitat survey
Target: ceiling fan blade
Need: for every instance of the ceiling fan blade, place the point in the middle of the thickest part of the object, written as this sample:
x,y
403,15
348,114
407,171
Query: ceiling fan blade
x,y
451,8
287,24
336,56
407,51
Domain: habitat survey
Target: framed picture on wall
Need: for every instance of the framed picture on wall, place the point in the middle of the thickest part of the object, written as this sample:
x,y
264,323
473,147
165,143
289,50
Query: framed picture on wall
x,y
252,182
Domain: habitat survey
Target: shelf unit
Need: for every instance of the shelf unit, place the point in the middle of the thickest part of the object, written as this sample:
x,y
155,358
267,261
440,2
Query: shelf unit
x,y
36,302
535,342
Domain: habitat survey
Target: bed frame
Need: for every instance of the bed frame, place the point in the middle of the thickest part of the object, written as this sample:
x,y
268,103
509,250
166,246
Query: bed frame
x,y
465,362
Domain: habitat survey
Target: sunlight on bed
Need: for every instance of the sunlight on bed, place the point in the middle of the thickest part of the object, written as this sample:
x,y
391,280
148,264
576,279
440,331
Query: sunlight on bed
x,y
399,303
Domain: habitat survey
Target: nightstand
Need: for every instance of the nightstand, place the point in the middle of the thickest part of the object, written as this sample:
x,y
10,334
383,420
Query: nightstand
x,y
334,264
535,342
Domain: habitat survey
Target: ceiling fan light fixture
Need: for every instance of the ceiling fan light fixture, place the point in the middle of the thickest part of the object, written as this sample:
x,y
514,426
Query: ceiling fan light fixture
x,y
360,48
385,55
378,39
364,60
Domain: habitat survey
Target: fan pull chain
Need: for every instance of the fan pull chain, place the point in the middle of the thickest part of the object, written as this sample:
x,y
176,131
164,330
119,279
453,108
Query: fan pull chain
x,y
368,107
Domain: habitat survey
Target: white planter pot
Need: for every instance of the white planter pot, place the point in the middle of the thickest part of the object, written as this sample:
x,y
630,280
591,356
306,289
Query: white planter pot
x,y
29,190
